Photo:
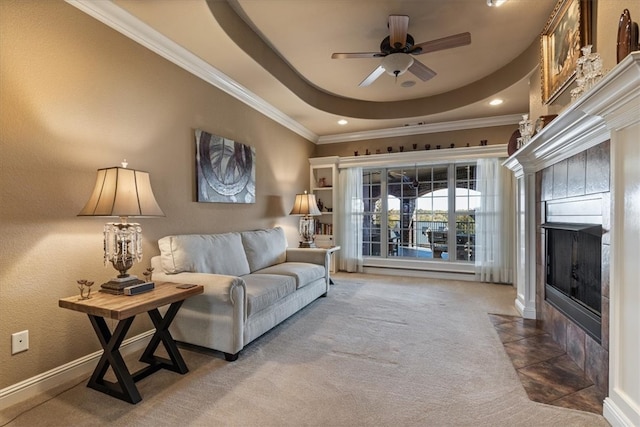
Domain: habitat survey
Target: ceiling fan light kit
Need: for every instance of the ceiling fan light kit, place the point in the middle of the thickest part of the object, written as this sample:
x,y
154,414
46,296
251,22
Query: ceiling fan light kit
x,y
398,50
397,64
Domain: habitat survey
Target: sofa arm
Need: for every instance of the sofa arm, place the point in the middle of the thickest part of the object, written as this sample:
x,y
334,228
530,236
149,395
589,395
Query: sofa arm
x,y
311,255
218,288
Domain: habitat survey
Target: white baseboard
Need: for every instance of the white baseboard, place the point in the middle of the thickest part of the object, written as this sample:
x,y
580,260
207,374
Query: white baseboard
x,y
420,273
526,313
82,367
614,414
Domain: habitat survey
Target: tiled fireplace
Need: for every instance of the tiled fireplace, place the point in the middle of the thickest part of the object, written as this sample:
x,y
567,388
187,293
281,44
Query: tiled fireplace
x,y
581,170
573,196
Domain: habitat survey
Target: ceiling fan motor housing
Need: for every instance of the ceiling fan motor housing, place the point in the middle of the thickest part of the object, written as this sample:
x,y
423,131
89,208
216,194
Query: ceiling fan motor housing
x,y
386,47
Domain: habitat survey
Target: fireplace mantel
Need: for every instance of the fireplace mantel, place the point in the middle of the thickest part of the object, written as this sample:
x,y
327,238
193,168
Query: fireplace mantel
x,y
608,111
612,104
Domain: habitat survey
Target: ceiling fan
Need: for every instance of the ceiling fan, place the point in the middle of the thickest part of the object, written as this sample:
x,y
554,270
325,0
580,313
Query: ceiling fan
x,y
398,49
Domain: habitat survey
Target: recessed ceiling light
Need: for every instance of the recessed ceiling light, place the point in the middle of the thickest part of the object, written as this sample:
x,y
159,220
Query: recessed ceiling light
x,y
408,83
342,122
496,101
495,3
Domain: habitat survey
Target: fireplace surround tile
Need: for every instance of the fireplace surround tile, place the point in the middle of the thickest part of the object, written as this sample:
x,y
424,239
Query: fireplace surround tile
x,y
560,180
597,166
575,344
546,192
576,171
580,347
561,371
522,356
547,374
606,218
540,391
597,364
523,329
588,399
605,323
606,261
556,325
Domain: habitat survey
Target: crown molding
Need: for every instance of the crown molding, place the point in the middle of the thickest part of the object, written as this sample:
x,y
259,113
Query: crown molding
x,y
120,20
422,129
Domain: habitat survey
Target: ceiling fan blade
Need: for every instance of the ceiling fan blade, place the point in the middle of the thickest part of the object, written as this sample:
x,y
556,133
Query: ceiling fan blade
x,y
356,55
421,71
398,25
372,77
449,42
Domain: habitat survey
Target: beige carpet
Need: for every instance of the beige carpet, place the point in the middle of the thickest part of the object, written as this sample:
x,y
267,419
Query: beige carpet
x,y
378,351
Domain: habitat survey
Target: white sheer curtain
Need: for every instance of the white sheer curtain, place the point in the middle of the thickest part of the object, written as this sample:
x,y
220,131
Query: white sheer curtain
x,y
350,211
495,223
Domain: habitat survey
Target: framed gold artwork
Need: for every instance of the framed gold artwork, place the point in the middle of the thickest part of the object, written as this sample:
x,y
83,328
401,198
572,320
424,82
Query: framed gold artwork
x,y
567,30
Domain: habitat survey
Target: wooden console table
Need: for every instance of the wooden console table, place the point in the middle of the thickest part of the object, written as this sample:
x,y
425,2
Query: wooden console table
x,y
124,309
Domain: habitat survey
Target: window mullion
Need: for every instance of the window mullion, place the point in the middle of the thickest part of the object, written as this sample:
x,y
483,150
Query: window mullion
x,y
384,214
451,235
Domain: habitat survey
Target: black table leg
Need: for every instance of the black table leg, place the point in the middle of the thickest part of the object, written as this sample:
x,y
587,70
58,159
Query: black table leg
x,y
125,389
162,334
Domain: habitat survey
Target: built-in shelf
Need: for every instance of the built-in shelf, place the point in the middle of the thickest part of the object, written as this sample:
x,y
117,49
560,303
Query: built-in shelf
x,y
323,179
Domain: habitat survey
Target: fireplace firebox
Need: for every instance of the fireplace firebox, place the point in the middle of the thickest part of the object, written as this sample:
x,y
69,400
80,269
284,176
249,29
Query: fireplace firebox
x,y
573,273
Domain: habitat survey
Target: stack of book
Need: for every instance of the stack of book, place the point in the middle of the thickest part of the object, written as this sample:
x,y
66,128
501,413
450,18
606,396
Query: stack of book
x,y
323,241
117,287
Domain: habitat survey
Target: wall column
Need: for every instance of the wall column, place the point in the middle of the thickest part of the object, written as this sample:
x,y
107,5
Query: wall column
x,y
525,267
622,406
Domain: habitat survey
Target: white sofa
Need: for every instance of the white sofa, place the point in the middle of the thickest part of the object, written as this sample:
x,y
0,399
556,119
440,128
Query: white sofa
x,y
251,280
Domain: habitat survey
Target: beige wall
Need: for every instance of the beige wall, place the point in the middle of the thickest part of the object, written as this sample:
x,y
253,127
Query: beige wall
x,y
76,96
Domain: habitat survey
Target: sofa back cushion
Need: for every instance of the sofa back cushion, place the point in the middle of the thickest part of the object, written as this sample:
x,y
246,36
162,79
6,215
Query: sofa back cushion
x,y
264,248
204,253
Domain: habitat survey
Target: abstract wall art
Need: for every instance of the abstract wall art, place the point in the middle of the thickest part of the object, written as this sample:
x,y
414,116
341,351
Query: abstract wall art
x,y
226,170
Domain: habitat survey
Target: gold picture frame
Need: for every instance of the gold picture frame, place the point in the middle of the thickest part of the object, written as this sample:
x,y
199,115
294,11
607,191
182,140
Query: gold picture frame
x,y
567,30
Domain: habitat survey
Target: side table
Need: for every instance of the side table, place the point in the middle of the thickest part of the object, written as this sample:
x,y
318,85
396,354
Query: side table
x,y
124,309
330,252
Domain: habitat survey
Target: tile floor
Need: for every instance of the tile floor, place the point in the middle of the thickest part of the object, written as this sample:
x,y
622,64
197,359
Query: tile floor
x,y
547,373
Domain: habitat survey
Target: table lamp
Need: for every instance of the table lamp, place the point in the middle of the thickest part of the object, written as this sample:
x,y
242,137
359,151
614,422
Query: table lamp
x,y
306,206
124,193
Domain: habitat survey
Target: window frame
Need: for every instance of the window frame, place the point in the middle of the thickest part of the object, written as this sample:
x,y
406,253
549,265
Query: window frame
x,y
427,158
384,251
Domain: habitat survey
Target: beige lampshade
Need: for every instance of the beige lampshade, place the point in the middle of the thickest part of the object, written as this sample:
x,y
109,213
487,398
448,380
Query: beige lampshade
x,y
122,192
305,204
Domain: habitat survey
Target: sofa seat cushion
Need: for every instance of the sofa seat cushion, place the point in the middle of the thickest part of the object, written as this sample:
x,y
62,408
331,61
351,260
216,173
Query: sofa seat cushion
x,y
265,289
304,273
264,248
204,253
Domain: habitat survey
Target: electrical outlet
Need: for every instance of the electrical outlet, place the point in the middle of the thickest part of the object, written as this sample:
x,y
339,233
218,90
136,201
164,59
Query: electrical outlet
x,y
19,342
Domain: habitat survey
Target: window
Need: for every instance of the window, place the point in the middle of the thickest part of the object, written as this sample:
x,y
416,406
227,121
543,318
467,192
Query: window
x,y
409,212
